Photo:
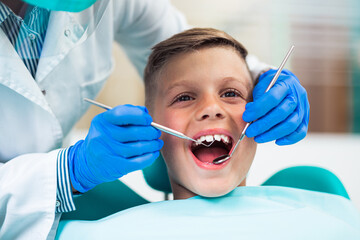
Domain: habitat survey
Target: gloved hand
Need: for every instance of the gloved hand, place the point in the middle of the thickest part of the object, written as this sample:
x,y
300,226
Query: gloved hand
x,y
281,114
119,141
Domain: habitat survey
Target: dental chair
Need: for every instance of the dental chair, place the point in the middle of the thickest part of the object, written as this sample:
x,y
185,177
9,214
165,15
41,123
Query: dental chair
x,y
112,197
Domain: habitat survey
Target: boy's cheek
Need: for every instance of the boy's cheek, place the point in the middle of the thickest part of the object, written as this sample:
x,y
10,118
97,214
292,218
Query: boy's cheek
x,y
170,143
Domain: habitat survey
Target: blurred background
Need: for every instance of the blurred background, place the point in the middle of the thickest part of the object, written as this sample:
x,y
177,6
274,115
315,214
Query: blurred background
x,y
326,35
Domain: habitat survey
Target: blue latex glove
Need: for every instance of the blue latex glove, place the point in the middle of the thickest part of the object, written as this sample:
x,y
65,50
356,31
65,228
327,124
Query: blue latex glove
x,y
119,141
281,114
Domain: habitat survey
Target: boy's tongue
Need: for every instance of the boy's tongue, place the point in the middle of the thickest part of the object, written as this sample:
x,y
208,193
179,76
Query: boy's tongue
x,y
209,154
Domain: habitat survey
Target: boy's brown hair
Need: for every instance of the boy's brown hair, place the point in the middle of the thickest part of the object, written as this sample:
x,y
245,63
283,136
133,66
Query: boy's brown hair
x,y
187,41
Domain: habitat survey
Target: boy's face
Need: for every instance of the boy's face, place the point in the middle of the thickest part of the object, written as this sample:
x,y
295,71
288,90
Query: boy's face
x,y
203,93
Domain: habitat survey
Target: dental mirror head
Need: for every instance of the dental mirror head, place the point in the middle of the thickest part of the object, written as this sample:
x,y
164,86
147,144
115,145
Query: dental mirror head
x,y
221,159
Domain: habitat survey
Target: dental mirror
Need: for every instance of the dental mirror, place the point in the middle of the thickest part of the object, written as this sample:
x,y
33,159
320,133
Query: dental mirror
x,y
226,157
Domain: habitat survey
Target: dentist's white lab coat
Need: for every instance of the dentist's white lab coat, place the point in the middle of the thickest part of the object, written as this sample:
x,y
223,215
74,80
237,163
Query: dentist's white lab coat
x,y
33,124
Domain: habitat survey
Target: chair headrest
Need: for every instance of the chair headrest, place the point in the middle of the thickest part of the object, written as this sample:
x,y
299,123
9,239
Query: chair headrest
x,y
157,177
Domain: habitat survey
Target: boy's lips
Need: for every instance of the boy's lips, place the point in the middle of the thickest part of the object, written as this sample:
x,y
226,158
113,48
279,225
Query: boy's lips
x,y
222,144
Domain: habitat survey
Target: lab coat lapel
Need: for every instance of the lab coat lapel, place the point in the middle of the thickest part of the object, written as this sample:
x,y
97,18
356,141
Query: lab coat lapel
x,y
65,31
62,35
15,75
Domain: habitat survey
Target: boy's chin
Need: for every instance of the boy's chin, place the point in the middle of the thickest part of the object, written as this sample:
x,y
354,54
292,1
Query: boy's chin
x,y
219,188
215,192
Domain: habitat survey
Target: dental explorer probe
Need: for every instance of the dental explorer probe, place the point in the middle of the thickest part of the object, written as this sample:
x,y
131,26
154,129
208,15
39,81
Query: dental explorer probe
x,y
226,157
155,125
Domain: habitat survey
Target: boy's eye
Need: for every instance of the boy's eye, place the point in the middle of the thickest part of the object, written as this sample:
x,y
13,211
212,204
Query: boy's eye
x,y
183,98
231,93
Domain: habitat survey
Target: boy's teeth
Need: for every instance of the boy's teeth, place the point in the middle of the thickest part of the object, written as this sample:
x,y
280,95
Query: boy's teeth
x,y
225,138
217,137
209,138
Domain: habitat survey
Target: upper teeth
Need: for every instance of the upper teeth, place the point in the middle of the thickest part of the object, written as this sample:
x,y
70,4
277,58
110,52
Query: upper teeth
x,y
211,138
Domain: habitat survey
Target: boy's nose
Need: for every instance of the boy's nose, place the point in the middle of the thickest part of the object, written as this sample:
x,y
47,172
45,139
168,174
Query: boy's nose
x,y
210,110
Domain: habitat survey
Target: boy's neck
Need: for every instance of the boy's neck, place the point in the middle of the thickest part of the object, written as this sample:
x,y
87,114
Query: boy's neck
x,y
181,192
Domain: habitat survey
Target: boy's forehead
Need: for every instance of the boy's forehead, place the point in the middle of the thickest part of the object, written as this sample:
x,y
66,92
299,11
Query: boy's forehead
x,y
221,63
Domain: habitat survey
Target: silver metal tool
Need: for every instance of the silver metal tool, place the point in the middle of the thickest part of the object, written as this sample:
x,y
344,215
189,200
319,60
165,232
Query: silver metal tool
x,y
226,157
155,125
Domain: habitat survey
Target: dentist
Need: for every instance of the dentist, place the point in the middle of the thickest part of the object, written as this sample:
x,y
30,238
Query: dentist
x,y
55,53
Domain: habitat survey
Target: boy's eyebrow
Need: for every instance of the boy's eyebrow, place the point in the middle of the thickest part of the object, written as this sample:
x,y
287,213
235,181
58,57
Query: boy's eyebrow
x,y
238,80
228,79
180,84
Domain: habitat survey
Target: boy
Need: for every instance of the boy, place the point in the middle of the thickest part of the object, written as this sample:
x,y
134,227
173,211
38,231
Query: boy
x,y
198,83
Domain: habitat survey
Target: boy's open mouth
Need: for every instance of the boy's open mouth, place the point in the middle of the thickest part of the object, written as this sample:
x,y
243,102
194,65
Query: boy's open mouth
x,y
221,146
